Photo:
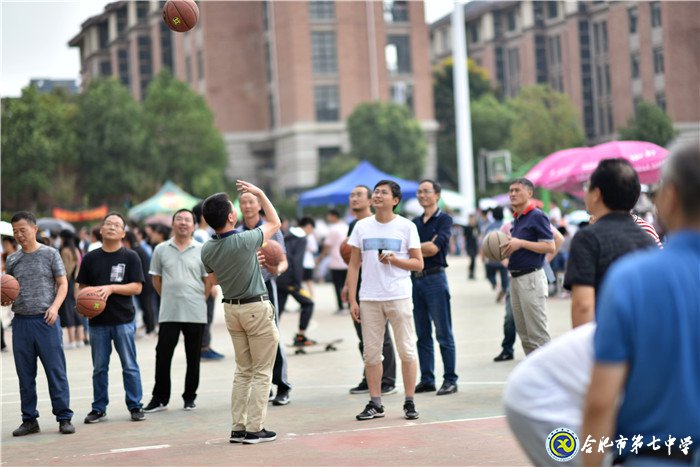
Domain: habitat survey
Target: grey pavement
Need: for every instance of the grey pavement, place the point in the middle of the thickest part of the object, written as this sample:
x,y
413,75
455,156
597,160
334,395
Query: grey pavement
x,y
318,427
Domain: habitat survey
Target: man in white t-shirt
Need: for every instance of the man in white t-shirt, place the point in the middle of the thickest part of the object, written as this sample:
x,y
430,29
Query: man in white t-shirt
x,y
387,247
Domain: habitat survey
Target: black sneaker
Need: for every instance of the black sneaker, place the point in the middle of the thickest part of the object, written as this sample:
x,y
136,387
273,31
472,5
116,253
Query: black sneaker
x,y
27,428
95,417
66,427
425,387
237,437
371,411
409,410
282,398
503,356
361,388
155,406
137,415
262,436
388,389
190,405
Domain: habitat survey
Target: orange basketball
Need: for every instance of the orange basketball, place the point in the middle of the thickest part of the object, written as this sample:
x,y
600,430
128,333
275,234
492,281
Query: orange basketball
x,y
10,289
272,251
90,304
180,15
345,251
491,246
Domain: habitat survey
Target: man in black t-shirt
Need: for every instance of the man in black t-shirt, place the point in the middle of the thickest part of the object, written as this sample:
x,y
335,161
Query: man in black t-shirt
x,y
115,273
610,194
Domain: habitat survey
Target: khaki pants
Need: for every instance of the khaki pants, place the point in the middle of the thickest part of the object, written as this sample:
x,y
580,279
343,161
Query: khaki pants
x,y
374,316
528,295
255,338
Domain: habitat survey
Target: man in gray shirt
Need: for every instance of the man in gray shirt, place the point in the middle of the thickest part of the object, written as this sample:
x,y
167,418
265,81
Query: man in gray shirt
x,y
180,280
36,329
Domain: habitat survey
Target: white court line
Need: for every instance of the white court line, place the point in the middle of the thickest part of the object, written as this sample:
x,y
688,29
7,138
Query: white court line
x,y
138,448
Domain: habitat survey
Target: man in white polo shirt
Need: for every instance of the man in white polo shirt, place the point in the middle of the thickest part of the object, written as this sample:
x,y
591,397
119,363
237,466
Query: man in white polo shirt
x,y
179,278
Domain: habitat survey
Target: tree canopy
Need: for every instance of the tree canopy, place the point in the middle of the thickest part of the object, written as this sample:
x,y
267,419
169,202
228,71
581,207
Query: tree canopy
x,y
650,123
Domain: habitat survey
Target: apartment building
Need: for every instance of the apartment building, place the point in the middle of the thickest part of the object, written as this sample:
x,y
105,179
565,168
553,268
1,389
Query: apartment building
x,y
281,77
606,56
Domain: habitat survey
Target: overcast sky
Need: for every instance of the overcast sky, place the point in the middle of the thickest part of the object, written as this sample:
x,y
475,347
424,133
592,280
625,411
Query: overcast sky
x,y
35,37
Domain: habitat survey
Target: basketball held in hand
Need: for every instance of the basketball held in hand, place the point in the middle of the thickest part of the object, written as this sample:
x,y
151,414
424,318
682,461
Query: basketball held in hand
x,y
272,251
180,15
345,251
491,246
90,304
10,289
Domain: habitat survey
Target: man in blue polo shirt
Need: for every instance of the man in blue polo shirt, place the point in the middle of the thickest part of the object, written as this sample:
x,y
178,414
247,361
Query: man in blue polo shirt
x,y
531,239
644,386
431,294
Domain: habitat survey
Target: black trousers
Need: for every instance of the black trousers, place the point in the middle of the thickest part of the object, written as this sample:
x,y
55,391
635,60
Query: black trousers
x,y
389,363
168,336
302,297
338,277
279,370
206,337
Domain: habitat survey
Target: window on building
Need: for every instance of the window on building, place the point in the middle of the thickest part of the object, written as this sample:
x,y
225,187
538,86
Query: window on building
x,y
321,10
596,37
473,33
632,17
265,17
658,61
497,28
103,32
123,65
513,79
145,62
142,9
634,60
398,54
552,9
655,14
105,68
166,46
661,100
325,154
402,93
607,78
327,103
500,67
538,13
200,64
604,33
323,52
541,51
395,11
610,118
121,19
512,20
271,110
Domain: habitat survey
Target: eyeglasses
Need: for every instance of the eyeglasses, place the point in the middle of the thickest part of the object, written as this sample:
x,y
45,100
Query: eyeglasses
x,y
425,192
116,225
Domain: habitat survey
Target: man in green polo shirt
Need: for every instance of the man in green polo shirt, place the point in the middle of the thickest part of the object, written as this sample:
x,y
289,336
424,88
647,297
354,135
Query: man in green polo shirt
x,y
231,259
181,281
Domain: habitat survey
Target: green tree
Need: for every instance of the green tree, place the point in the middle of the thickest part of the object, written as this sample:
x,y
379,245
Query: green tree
x,y
545,121
114,155
650,123
38,151
336,167
443,90
189,150
389,137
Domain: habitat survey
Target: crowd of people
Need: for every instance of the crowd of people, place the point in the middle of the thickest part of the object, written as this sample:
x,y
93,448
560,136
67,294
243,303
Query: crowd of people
x,y
394,277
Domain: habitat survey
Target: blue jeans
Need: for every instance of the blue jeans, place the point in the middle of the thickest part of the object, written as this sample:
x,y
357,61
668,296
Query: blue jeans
x,y
508,326
32,338
431,303
101,338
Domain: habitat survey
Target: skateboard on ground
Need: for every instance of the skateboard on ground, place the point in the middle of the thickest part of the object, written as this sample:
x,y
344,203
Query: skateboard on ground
x,y
327,345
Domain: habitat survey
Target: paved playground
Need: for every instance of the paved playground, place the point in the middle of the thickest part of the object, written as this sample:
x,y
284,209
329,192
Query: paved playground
x,y
318,427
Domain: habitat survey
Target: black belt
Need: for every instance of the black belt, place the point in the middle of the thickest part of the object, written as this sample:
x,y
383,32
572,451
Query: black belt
x,y
427,272
243,301
522,272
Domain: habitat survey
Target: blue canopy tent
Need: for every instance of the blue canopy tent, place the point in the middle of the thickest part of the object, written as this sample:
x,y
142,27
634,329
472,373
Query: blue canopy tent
x,y
338,191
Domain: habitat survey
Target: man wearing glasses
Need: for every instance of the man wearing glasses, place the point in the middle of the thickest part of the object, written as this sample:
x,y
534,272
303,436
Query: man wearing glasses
x,y
115,274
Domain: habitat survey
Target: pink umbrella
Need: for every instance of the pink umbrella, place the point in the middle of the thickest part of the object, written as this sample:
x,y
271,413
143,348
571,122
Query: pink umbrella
x,y
568,169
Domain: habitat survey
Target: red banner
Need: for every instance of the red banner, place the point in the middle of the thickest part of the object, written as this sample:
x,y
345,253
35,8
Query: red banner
x,y
80,216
